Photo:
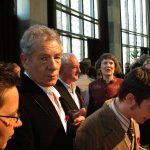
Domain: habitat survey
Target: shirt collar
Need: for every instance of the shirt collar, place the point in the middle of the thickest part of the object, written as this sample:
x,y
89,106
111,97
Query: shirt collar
x,y
125,122
49,90
111,81
71,86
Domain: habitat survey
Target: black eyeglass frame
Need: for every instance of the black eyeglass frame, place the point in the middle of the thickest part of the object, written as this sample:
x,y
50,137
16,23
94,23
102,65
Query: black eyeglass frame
x,y
17,118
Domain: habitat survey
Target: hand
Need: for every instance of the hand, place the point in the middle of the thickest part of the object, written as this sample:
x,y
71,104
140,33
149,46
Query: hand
x,y
80,117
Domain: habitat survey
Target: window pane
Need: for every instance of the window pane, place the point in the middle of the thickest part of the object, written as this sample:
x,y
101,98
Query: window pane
x,y
95,9
138,16
144,17
96,31
64,2
77,48
139,41
124,38
88,29
124,14
66,44
86,50
131,39
131,18
77,5
63,24
88,7
76,25
126,55
145,42
59,19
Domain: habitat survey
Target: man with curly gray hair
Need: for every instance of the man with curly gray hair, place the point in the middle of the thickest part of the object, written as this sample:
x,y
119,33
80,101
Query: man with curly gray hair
x,y
45,127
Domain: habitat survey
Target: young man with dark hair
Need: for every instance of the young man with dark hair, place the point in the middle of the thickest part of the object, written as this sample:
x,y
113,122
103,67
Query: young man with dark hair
x,y
115,124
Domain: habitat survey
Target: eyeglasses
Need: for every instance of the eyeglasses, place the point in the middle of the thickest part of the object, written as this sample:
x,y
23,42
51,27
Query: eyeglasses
x,y
14,119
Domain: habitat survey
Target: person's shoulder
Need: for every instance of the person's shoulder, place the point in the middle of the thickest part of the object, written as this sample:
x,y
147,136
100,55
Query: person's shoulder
x,y
119,79
97,81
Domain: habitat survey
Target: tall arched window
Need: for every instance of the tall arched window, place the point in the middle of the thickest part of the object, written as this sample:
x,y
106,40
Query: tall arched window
x,y
76,21
134,20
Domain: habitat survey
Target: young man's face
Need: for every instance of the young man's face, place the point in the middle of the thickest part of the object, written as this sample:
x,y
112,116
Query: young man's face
x,y
142,113
10,98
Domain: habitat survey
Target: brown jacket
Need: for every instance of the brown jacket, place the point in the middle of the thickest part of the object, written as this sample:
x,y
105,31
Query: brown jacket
x,y
102,131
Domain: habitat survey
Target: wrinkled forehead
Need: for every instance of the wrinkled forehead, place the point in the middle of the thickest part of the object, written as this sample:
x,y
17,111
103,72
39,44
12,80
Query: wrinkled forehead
x,y
45,46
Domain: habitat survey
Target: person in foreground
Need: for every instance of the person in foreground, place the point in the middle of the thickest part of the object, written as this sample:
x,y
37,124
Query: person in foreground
x,y
115,124
44,125
9,101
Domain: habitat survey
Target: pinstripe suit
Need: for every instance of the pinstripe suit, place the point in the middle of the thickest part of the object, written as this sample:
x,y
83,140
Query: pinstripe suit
x,y
102,131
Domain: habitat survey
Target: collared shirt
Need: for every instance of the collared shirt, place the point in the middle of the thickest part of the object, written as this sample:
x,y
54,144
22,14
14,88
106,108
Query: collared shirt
x,y
125,122
53,95
71,89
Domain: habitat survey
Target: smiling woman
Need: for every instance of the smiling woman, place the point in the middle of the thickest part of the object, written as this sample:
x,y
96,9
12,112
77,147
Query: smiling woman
x,y
107,86
9,101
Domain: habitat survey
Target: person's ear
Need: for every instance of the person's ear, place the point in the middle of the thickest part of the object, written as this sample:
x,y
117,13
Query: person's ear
x,y
130,99
24,60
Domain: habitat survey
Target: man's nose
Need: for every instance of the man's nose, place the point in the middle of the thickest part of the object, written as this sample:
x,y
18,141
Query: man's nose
x,y
52,64
18,124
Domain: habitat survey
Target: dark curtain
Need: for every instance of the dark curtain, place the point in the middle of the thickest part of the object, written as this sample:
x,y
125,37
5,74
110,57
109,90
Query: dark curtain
x,y
9,34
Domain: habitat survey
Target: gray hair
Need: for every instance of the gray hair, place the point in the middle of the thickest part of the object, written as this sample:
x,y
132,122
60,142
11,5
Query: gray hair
x,y
37,33
65,58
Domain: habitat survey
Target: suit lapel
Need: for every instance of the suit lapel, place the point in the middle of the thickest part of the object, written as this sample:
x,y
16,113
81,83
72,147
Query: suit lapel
x,y
65,96
39,97
112,128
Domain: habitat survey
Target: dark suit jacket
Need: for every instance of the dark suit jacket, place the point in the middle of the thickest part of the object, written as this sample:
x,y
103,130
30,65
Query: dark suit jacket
x,y
68,103
66,99
102,131
42,128
145,133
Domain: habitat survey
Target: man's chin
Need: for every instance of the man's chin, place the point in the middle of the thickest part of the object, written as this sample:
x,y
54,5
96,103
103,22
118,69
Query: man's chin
x,y
52,83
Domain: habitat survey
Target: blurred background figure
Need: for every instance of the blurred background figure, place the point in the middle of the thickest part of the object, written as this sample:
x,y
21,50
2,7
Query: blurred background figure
x,y
146,63
9,101
92,73
15,67
118,70
83,81
88,61
127,67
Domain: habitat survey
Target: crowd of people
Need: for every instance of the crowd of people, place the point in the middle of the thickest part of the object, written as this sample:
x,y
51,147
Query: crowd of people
x,y
55,102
